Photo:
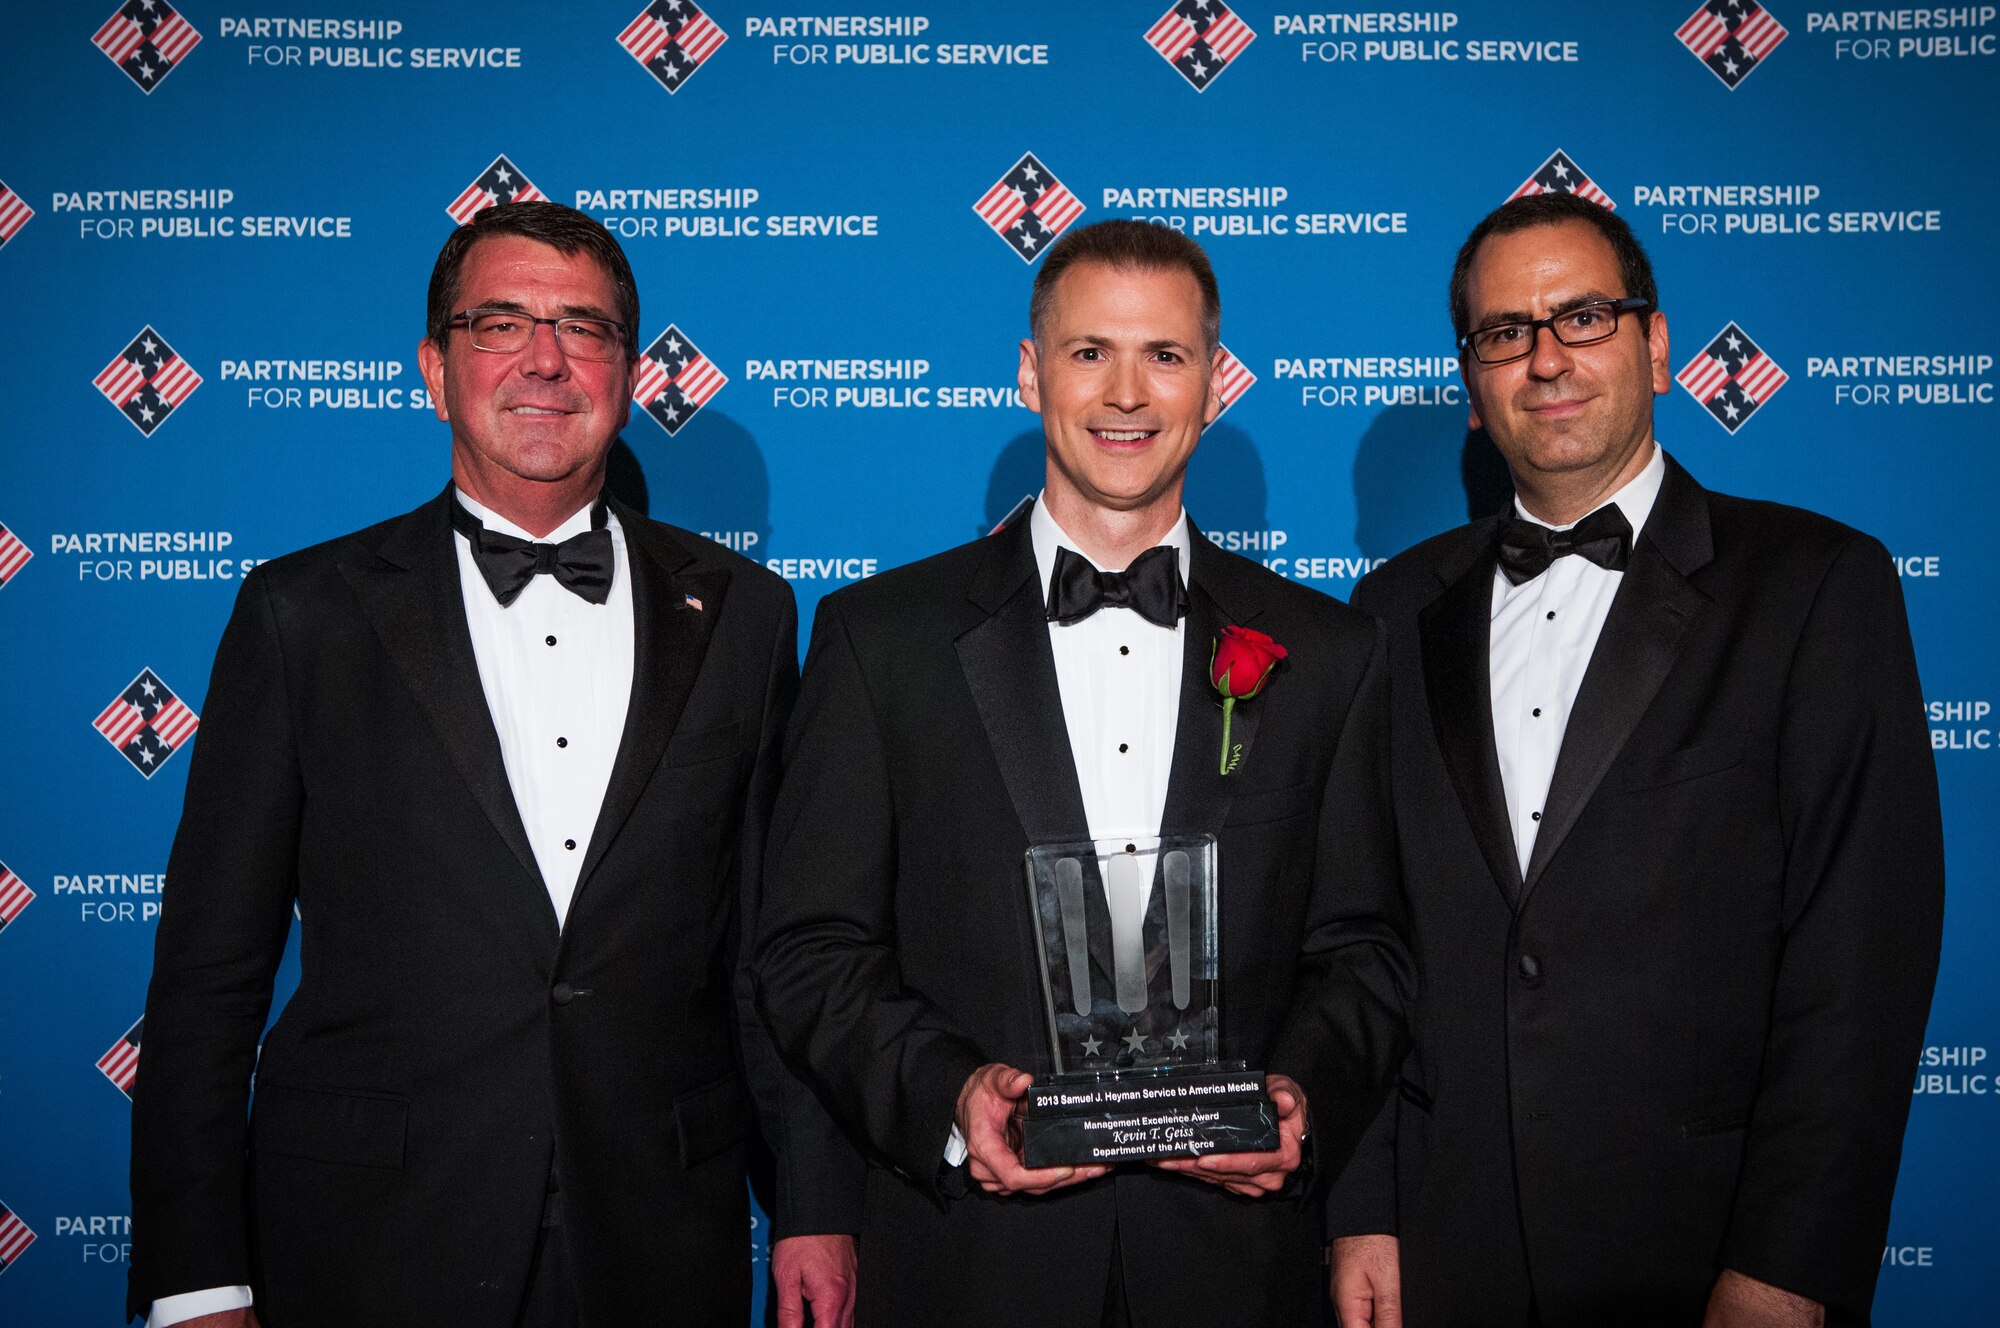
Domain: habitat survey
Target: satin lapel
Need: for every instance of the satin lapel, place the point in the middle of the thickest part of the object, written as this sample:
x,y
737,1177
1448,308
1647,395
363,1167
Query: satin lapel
x,y
669,640
410,593
1642,637
1012,675
1198,793
1455,630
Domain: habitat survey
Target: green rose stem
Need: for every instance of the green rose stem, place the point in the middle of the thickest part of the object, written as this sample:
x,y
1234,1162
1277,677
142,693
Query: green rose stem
x,y
1228,705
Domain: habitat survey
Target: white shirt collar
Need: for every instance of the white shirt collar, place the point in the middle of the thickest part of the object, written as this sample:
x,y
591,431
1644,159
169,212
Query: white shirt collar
x,y
1050,536
1635,500
500,525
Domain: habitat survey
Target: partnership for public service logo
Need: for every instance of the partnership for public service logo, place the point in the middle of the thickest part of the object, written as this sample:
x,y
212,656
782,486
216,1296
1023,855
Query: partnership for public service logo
x,y
1028,208
1561,175
672,39
15,1237
1731,37
1200,39
148,381
675,380
147,39
14,213
120,1063
14,554
502,182
147,723
14,896
1732,378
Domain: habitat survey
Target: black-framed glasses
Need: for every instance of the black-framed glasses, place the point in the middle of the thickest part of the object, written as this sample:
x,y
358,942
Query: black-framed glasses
x,y
1504,342
507,331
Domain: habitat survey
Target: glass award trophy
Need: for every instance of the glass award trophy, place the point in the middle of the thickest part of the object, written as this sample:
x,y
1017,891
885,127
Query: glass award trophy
x,y
1126,936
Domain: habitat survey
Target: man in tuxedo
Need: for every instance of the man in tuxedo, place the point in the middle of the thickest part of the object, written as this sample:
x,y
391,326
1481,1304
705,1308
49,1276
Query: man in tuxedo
x,y
952,716
510,756
1670,830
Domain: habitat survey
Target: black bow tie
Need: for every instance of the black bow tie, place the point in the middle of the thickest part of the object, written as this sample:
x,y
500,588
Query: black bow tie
x,y
1527,548
582,563
1151,587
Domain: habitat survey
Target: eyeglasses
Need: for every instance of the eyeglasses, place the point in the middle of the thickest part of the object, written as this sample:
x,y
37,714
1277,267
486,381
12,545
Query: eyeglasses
x,y
1505,342
507,331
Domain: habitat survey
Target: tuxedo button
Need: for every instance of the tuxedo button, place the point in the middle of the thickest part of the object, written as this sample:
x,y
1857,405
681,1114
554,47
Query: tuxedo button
x,y
562,993
570,844
564,742
1531,967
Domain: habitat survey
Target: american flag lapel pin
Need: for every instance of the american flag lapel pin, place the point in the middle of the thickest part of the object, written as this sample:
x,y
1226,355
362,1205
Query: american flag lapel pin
x,y
692,601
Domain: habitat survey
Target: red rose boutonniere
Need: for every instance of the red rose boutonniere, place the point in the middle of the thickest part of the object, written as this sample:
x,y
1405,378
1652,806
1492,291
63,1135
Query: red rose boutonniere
x,y
1241,663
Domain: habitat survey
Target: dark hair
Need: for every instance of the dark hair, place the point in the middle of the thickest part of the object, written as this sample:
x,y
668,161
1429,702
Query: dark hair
x,y
563,229
1128,244
1522,214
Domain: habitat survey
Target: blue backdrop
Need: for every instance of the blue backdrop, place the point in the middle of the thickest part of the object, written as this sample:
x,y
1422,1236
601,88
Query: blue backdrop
x,y
216,227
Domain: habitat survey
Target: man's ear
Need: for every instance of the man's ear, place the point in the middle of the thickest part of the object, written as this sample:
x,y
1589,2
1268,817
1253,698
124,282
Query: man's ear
x,y
430,363
1657,352
1213,406
1029,376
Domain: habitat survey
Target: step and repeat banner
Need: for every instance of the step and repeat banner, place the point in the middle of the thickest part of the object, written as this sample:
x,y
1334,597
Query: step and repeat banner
x,y
217,221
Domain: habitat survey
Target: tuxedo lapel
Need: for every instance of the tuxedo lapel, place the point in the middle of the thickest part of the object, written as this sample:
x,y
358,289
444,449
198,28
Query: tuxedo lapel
x,y
1198,793
1012,674
670,638
1636,650
1455,631
410,593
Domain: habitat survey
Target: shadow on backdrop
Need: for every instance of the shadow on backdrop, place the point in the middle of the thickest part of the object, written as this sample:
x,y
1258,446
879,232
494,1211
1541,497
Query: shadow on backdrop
x,y
1418,471
1016,474
1225,486
709,477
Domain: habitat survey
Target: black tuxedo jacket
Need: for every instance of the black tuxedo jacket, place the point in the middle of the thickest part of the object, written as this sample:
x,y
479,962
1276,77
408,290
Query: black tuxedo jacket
x,y
446,1046
1682,1041
896,945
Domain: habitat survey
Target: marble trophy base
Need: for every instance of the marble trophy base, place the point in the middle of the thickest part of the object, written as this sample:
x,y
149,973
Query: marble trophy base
x,y
1096,1120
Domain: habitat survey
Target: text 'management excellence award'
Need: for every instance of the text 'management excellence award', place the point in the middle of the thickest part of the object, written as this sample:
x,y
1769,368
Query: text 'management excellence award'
x,y
1128,941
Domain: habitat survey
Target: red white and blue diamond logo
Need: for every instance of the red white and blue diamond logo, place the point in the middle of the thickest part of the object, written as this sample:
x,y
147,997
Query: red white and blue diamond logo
x,y
1561,175
672,39
1731,37
14,213
14,896
1732,378
1028,208
147,723
1200,39
120,1064
502,182
15,1237
675,380
147,39
14,554
148,381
